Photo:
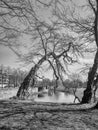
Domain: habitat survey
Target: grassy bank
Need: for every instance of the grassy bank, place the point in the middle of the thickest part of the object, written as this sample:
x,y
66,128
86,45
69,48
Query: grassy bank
x,y
25,116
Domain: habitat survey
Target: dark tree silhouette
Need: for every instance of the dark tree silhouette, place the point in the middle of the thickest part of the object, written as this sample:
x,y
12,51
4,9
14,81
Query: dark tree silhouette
x,y
91,75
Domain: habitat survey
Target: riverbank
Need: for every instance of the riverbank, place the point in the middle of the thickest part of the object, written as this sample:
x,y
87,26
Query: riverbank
x,y
17,115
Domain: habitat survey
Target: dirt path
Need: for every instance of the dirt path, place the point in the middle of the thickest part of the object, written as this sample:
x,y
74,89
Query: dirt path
x,y
27,116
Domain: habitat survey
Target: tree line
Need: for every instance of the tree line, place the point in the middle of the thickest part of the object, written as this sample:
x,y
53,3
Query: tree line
x,y
14,77
11,77
67,84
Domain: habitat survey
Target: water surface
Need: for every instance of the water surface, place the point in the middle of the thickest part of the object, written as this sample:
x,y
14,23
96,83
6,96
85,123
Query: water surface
x,y
58,97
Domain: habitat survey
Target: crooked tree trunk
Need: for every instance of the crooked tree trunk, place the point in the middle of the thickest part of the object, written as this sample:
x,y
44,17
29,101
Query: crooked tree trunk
x,y
30,79
91,75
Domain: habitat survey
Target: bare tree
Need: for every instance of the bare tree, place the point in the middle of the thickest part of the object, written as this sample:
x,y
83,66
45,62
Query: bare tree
x,y
49,42
88,92
85,25
50,45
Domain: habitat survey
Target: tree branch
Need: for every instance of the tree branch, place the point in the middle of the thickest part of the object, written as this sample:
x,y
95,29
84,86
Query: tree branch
x,y
92,6
65,51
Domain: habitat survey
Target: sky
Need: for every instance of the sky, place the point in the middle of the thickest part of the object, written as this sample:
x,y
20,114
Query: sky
x,y
7,57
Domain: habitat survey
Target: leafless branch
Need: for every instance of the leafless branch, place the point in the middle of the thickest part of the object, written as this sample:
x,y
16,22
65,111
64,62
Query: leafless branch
x,y
92,6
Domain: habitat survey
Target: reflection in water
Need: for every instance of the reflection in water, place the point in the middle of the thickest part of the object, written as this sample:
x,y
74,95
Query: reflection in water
x,y
58,97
